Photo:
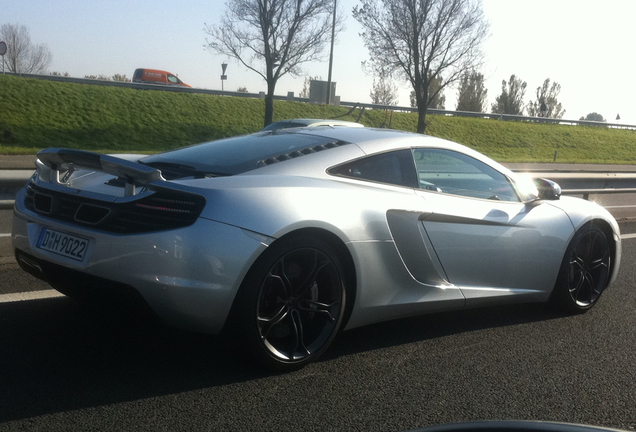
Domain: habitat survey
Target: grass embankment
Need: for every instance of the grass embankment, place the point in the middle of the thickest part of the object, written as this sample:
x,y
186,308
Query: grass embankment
x,y
35,114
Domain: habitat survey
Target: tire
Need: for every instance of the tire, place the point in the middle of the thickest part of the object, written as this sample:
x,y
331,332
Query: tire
x,y
585,270
290,305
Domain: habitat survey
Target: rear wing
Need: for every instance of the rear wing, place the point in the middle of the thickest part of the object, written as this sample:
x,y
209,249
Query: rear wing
x,y
65,160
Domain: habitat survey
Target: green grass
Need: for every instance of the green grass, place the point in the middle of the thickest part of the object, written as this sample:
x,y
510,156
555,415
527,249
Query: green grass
x,y
35,114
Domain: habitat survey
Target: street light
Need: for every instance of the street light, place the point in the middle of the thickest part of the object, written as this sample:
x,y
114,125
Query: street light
x,y
333,32
223,76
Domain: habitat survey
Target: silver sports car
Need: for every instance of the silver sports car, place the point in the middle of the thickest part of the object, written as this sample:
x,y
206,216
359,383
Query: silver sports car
x,y
280,239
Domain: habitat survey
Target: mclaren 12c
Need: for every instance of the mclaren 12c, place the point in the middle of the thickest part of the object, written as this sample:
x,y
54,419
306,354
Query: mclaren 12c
x,y
281,239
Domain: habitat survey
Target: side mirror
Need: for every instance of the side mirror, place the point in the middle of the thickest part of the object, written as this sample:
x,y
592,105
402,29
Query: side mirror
x,y
548,190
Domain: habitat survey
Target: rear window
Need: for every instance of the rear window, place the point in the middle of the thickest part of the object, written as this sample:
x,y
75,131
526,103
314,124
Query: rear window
x,y
237,155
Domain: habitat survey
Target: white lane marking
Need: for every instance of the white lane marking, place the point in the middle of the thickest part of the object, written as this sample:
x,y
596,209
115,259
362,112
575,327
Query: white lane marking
x,y
620,206
32,295
5,235
628,236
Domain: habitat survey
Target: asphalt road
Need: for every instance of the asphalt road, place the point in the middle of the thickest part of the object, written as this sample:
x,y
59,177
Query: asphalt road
x,y
65,367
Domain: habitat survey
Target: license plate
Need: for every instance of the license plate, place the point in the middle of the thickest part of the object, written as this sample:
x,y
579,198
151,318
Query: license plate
x,y
63,244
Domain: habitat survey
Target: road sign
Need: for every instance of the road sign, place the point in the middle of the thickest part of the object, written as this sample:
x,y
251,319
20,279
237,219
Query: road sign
x,y
223,77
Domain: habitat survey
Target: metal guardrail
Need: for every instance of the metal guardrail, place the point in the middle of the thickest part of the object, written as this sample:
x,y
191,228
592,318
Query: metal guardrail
x,y
11,181
179,89
587,183
572,183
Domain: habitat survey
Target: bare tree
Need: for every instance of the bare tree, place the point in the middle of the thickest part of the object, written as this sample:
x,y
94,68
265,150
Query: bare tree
x,y
510,101
22,56
546,104
472,93
272,37
100,77
121,78
423,40
384,92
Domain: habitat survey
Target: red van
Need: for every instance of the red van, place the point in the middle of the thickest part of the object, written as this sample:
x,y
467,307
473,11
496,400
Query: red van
x,y
154,76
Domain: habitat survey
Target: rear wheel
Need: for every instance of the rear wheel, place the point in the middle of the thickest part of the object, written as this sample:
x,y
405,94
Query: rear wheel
x,y
290,305
585,270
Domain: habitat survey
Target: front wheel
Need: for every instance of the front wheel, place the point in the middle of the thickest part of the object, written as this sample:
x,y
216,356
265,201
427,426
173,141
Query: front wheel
x,y
291,304
585,270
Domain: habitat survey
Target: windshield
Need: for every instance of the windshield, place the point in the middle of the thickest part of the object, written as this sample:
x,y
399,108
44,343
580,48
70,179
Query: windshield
x,y
234,155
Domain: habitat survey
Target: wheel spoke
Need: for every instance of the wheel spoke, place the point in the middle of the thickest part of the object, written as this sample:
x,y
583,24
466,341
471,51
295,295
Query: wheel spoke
x,y
278,273
577,264
597,264
299,335
587,288
576,286
266,324
317,267
318,307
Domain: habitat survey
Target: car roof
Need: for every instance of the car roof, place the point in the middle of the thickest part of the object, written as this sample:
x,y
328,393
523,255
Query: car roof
x,y
307,122
368,139
236,155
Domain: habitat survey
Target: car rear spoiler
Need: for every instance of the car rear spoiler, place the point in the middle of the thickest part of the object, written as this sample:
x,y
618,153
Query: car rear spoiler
x,y
57,159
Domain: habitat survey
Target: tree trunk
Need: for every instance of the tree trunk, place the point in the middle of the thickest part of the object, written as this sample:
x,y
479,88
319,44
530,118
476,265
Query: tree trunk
x,y
421,120
269,104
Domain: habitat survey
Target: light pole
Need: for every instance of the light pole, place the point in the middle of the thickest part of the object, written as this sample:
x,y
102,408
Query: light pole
x,y
223,76
333,32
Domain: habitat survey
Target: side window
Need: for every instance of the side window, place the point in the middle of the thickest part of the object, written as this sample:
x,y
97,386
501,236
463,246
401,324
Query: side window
x,y
173,79
394,168
455,173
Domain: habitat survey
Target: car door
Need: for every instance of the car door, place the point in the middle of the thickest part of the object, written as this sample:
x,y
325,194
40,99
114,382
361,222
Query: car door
x,y
488,242
405,271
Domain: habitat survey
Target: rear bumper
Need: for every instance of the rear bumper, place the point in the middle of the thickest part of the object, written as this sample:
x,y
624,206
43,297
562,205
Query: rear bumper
x,y
187,276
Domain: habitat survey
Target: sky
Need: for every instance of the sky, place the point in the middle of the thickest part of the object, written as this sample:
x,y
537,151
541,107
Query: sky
x,y
586,46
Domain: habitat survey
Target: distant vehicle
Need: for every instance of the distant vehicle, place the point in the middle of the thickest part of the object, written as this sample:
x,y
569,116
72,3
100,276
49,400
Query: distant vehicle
x,y
154,76
294,123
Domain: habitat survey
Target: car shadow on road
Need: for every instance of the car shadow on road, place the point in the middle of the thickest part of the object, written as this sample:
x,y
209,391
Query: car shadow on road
x,y
433,326
56,355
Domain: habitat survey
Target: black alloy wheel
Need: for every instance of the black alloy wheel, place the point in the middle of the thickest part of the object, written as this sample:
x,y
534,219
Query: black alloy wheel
x,y
292,303
585,271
